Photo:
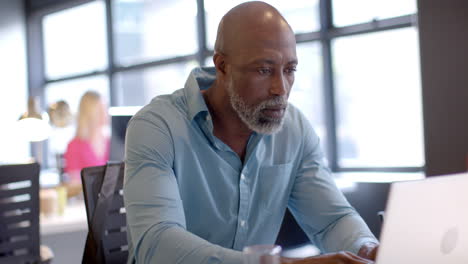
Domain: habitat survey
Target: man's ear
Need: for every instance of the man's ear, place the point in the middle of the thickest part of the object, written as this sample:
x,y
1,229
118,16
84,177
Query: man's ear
x,y
220,62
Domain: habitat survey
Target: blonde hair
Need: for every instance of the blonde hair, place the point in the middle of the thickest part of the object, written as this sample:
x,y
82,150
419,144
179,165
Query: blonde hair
x,y
90,114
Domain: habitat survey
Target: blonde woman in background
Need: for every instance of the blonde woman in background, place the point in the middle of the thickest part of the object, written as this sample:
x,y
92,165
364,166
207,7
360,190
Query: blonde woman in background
x,y
90,146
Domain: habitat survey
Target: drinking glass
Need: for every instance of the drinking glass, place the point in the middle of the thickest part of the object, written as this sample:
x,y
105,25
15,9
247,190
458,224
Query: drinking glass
x,y
262,254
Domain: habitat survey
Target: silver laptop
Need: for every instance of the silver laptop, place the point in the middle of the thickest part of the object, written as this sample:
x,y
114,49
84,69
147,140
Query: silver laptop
x,y
426,222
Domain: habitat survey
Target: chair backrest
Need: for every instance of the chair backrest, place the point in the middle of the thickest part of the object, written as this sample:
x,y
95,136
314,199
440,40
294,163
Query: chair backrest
x,y
19,213
370,198
113,237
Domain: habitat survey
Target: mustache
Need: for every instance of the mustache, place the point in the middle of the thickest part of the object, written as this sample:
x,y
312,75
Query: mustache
x,y
279,101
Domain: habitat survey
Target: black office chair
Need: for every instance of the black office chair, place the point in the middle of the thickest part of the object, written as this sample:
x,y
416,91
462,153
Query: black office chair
x,y
370,199
19,214
107,235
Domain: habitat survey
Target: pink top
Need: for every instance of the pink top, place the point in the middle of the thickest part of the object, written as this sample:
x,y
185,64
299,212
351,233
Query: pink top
x,y
79,155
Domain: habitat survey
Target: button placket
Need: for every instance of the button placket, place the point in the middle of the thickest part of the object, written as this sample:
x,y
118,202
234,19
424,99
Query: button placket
x,y
241,233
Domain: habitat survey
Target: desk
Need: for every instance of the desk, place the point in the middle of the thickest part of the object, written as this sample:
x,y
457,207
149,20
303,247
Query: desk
x,y
66,234
73,219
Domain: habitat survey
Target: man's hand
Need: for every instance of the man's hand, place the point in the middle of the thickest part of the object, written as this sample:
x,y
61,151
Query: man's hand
x,y
334,258
369,251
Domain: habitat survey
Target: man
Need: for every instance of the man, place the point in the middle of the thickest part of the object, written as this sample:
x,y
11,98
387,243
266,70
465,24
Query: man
x,y
211,168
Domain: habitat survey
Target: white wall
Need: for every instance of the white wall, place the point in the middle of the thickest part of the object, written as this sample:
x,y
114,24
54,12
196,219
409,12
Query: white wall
x,y
13,80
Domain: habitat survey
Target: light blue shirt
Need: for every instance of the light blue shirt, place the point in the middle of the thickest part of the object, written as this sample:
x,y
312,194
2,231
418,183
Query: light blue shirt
x,y
190,199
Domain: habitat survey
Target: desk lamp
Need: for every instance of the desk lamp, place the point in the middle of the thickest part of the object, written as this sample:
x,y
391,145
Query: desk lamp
x,y
34,126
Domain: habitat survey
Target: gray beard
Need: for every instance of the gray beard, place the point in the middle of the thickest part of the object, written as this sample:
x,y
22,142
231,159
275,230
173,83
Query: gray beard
x,y
253,117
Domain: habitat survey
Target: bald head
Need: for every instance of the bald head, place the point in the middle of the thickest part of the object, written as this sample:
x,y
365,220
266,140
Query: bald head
x,y
255,60
249,23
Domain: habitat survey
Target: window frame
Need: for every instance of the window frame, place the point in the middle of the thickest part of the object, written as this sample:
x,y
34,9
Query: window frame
x,y
327,32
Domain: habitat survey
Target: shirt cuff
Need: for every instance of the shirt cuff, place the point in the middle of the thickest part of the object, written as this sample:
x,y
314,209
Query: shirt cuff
x,y
232,257
356,246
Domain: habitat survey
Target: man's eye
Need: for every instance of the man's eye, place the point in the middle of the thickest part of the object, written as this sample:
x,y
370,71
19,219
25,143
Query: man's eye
x,y
290,70
264,71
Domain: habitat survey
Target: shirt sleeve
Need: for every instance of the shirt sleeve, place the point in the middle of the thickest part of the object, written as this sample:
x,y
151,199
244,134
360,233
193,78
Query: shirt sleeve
x,y
155,215
320,207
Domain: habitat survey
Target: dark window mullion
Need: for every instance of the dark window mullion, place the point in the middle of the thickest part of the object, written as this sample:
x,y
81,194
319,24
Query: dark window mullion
x,y
201,31
154,63
75,76
308,37
36,73
328,85
374,26
110,53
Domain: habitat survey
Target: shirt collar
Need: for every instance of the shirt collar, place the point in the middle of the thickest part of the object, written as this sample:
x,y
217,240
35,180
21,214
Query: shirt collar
x,y
199,79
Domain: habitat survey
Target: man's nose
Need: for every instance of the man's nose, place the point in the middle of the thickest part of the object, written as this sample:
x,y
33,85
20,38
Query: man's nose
x,y
280,85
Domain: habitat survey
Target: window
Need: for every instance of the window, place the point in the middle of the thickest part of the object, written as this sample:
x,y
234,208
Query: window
x,y
307,92
152,30
70,91
137,88
378,99
302,15
73,45
357,81
347,12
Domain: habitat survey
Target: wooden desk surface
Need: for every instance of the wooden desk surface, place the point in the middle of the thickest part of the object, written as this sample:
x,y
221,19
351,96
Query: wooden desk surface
x,y
72,220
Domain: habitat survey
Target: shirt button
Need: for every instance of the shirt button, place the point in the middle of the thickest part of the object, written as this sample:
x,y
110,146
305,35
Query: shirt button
x,y
242,222
242,177
208,117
